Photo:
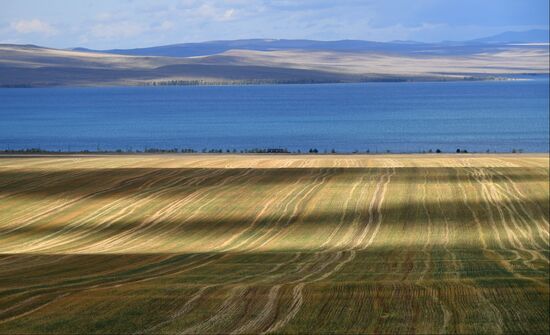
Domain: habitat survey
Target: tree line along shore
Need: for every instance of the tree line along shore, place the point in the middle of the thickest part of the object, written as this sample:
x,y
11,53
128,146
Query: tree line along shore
x,y
313,151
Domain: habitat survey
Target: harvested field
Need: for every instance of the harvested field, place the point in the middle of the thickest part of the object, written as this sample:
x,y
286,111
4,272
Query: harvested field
x,y
274,244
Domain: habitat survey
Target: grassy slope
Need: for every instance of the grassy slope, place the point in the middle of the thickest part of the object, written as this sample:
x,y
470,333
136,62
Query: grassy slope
x,y
35,66
291,244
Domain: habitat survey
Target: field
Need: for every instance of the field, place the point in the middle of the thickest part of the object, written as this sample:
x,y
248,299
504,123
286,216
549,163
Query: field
x,y
274,244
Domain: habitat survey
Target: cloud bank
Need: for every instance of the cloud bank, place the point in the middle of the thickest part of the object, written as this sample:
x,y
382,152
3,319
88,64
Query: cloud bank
x,y
137,23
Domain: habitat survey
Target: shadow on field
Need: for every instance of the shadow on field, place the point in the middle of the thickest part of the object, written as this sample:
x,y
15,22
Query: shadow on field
x,y
83,267
221,223
94,287
47,273
179,182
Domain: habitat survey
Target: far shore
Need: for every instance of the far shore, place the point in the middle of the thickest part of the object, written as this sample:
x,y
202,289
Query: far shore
x,y
206,83
275,155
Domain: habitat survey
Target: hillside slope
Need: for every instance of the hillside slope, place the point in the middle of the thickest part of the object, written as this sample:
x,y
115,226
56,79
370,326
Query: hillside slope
x,y
30,66
481,45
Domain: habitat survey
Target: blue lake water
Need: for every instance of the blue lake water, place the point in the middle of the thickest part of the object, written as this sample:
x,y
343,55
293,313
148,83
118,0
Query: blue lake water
x,y
401,117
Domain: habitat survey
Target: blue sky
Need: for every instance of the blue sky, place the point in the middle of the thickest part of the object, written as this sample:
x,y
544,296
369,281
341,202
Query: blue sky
x,y
104,24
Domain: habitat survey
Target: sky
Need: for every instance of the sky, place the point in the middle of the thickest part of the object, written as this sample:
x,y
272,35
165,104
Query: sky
x,y
107,24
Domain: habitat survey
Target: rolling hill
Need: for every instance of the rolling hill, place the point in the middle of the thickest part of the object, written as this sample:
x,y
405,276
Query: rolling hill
x,y
396,47
269,61
530,36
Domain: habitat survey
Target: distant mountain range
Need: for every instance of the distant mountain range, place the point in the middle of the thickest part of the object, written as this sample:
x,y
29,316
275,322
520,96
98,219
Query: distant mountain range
x,y
397,47
277,61
530,36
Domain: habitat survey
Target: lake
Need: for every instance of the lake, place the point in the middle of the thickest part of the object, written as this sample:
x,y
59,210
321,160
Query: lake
x,y
400,117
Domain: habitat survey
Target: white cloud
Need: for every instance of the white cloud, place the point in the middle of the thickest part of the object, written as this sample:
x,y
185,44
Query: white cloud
x,y
165,25
33,26
211,12
115,30
104,16
123,30
228,14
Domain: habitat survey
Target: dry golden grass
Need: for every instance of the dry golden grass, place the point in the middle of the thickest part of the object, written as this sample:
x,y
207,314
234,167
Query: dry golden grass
x,y
188,244
511,61
34,66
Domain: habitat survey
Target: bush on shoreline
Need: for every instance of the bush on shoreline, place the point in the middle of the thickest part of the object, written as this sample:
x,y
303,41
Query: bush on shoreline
x,y
311,151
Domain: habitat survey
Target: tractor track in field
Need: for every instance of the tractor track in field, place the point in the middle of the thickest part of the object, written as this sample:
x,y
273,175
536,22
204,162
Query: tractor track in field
x,y
258,244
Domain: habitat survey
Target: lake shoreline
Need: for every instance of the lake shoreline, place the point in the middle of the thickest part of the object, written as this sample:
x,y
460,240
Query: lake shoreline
x,y
382,79
278,156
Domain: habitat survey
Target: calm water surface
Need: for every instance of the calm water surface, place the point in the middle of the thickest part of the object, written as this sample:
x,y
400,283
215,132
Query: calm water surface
x,y
401,117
